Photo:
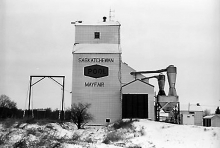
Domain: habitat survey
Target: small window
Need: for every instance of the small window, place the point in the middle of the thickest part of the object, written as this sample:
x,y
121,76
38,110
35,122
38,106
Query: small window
x,y
107,120
97,35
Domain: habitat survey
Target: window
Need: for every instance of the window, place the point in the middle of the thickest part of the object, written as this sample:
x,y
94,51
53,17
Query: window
x,y
107,120
97,35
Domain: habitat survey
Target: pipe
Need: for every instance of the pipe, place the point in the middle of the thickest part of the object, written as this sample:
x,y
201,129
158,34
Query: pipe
x,y
154,71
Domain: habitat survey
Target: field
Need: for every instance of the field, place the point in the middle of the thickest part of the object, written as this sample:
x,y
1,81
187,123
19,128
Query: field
x,y
125,133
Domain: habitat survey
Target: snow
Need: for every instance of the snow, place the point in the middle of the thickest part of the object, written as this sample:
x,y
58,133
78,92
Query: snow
x,y
173,136
142,133
211,116
190,107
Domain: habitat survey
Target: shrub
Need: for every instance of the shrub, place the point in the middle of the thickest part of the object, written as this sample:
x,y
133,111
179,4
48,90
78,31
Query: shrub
x,y
80,115
43,140
88,140
112,137
142,131
46,121
9,122
50,126
2,139
21,144
123,124
31,131
75,137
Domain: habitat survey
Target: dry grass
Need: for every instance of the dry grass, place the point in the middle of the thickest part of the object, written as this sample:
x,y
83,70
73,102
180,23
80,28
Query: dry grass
x,y
123,124
112,137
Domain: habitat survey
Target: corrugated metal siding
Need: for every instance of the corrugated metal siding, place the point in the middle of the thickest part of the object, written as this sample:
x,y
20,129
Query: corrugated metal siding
x,y
106,102
108,34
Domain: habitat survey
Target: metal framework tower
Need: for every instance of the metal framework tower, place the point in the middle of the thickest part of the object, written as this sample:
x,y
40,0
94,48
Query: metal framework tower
x,y
52,78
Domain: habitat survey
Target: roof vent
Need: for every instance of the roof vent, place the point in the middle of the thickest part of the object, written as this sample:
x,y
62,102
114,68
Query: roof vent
x,y
104,19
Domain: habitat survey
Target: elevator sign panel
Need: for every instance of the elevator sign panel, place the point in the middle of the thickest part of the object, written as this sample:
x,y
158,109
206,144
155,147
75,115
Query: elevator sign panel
x,y
96,71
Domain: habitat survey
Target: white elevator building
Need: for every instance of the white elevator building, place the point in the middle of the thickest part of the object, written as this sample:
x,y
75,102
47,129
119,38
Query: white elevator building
x,y
99,76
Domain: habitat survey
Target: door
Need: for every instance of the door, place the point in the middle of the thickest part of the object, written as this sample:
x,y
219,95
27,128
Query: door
x,y
135,106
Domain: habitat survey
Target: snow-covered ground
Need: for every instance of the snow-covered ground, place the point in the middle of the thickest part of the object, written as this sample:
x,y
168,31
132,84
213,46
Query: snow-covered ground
x,y
142,133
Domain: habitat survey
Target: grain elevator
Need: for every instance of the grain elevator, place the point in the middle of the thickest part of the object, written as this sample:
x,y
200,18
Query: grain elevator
x,y
99,76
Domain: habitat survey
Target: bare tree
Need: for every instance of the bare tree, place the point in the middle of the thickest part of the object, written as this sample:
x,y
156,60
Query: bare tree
x,y
6,102
8,108
80,115
206,112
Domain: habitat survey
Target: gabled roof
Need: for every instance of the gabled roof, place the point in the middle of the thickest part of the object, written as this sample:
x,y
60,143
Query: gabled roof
x,y
137,80
211,116
137,87
107,23
190,108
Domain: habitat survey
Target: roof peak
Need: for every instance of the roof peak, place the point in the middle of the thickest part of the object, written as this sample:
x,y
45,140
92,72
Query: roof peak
x,y
101,23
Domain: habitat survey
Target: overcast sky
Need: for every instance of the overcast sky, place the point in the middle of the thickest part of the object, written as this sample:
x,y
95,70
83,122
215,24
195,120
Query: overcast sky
x,y
36,38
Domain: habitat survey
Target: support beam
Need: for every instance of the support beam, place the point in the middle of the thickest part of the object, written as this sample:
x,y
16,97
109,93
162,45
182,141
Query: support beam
x,y
29,100
56,81
62,111
37,81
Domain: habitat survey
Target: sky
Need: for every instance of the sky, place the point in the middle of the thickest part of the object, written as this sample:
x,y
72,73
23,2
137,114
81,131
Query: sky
x,y
37,37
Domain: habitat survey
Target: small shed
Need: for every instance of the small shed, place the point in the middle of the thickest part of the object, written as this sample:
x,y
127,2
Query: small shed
x,y
211,120
191,114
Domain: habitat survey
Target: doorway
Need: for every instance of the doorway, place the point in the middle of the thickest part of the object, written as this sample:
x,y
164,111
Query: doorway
x,y
135,106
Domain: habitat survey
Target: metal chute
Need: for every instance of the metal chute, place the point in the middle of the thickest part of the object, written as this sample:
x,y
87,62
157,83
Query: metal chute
x,y
171,74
